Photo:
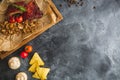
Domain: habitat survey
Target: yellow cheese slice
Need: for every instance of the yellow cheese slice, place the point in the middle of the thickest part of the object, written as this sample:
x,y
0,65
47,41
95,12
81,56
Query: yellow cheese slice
x,y
45,73
35,75
36,58
33,67
39,71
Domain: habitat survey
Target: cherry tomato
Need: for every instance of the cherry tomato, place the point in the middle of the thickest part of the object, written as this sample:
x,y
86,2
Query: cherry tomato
x,y
18,19
11,19
28,48
24,54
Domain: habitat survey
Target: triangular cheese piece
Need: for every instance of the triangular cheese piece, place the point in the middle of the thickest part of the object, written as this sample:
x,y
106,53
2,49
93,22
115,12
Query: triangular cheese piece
x,y
35,58
39,71
45,73
35,75
33,67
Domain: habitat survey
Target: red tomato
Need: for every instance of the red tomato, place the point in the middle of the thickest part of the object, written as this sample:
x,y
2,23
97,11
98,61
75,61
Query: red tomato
x,y
28,48
24,54
18,19
12,19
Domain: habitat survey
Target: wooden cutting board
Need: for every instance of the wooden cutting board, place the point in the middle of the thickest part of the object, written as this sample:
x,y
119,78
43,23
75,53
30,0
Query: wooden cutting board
x,y
58,17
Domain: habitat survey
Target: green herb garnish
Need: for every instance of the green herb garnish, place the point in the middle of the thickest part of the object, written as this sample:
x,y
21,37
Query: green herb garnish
x,y
23,9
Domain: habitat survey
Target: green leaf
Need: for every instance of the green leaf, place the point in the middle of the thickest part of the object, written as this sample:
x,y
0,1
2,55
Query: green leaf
x,y
23,9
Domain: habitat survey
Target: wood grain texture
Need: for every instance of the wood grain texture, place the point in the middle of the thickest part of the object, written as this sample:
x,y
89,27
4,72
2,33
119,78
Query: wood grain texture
x,y
59,18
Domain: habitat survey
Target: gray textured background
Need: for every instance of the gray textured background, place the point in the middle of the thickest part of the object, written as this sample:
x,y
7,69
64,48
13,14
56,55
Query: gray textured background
x,y
84,46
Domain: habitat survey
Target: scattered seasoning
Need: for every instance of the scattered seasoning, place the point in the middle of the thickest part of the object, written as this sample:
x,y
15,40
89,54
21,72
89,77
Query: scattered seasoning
x,y
60,5
94,7
74,2
69,5
81,4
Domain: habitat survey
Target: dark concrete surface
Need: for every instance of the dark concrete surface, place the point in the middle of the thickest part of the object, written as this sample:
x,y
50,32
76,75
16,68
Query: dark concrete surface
x,y
84,46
